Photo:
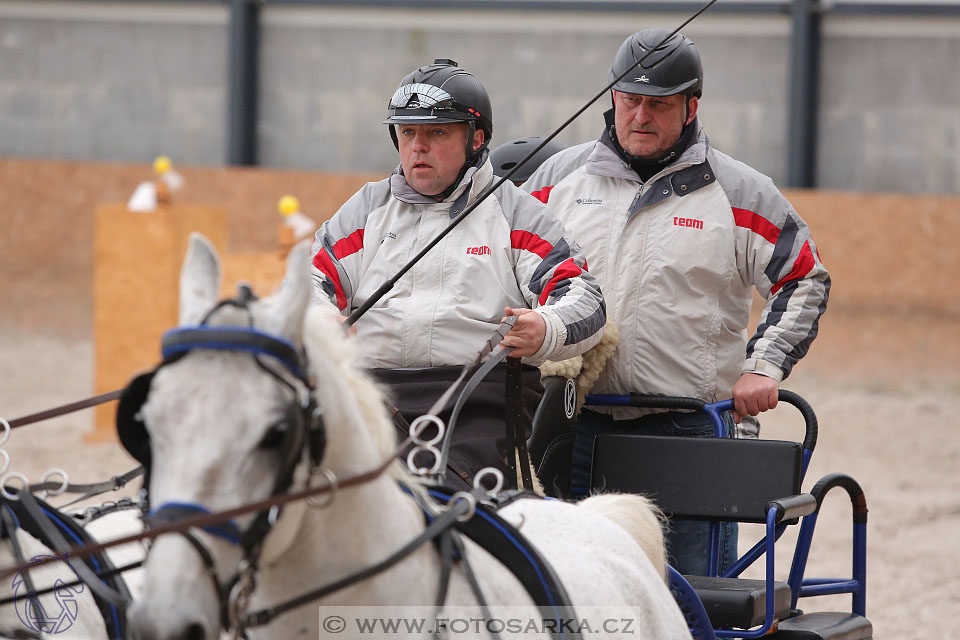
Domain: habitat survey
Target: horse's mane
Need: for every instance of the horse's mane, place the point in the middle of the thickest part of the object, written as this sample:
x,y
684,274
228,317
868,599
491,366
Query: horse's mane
x,y
334,356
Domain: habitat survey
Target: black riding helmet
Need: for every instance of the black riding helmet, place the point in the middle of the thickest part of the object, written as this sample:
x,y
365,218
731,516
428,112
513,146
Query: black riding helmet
x,y
442,92
507,155
673,67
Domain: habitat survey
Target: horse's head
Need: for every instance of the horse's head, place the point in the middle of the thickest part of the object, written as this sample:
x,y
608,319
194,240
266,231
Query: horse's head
x,y
233,416
224,421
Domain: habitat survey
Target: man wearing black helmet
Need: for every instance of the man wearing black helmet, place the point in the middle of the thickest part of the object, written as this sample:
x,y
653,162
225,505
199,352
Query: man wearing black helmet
x,y
679,235
509,256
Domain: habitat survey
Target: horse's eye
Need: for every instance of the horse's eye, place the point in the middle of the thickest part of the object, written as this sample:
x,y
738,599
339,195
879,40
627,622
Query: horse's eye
x,y
274,435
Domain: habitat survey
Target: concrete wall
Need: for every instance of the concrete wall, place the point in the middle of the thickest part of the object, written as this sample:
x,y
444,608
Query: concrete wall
x,y
126,81
114,82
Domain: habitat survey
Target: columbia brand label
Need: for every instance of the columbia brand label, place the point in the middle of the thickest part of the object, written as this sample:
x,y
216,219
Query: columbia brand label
x,y
692,223
391,235
478,251
589,201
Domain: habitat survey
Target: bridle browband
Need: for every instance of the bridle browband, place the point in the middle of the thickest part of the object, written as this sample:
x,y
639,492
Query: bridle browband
x,y
245,339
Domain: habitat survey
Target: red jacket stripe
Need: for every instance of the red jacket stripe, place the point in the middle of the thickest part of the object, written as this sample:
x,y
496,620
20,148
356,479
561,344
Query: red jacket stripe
x,y
349,245
801,267
530,242
323,262
757,224
566,269
542,195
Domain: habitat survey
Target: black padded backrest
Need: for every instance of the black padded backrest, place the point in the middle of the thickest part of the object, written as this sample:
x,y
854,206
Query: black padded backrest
x,y
554,417
699,478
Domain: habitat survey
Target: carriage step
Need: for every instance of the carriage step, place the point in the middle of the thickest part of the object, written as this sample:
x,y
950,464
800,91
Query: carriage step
x,y
833,625
738,602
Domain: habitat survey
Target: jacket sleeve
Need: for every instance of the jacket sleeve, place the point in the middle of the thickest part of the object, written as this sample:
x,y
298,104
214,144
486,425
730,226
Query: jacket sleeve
x,y
776,254
338,253
551,271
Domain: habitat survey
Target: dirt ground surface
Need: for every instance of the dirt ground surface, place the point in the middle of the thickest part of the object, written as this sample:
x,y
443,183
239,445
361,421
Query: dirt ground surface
x,y
884,380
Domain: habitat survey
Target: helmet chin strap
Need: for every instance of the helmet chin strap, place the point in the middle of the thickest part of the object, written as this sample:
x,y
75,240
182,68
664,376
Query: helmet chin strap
x,y
393,136
471,153
471,162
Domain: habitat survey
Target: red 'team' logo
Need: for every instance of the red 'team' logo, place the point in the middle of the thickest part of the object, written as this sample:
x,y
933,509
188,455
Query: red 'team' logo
x,y
478,251
693,223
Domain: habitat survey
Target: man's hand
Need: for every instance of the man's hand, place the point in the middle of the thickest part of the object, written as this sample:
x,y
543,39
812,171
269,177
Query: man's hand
x,y
752,394
526,335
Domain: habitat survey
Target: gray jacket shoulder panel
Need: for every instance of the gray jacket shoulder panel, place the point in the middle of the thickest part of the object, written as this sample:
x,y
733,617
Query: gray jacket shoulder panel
x,y
371,196
559,165
745,187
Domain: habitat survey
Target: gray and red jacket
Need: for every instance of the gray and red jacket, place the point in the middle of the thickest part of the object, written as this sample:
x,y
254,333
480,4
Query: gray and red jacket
x,y
678,258
510,251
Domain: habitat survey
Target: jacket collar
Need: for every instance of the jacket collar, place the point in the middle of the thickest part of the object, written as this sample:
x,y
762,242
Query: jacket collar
x,y
474,180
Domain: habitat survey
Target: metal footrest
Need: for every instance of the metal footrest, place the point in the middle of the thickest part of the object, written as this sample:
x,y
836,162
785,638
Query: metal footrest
x,y
737,602
833,625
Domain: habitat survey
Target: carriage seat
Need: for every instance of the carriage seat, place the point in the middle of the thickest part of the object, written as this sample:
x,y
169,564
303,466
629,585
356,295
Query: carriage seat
x,y
737,602
829,625
551,437
712,479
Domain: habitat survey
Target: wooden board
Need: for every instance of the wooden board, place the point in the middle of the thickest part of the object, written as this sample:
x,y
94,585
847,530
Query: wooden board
x,y
137,258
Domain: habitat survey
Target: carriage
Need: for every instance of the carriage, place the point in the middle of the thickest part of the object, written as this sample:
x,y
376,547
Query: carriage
x,y
733,480
300,421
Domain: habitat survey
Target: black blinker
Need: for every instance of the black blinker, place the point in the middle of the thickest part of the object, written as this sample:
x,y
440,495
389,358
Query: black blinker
x,y
130,426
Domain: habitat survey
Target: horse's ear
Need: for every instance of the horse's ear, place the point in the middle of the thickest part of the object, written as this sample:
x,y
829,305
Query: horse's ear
x,y
199,280
285,309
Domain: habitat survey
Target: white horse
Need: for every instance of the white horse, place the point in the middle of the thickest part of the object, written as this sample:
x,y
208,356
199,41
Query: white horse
x,y
211,418
69,612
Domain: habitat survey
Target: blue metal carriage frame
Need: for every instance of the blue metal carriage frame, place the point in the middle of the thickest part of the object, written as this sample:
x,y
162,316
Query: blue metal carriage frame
x,y
775,526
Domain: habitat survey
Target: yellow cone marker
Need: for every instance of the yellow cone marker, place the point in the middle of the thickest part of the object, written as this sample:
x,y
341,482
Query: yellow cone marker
x,y
161,165
288,205
167,175
302,226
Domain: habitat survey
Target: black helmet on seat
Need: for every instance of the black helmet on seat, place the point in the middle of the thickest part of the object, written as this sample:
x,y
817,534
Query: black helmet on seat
x,y
673,67
507,155
442,92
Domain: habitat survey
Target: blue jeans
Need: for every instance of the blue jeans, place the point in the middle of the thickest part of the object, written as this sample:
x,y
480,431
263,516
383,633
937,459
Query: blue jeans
x,y
688,541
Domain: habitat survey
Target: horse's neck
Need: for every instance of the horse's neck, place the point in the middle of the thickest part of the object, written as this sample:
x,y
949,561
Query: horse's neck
x,y
363,525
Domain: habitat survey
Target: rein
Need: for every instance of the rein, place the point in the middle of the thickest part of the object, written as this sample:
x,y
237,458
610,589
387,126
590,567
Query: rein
x,y
64,409
210,519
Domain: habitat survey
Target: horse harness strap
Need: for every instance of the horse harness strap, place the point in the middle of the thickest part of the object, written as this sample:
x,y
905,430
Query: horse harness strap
x,y
505,542
89,490
515,423
43,522
442,523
